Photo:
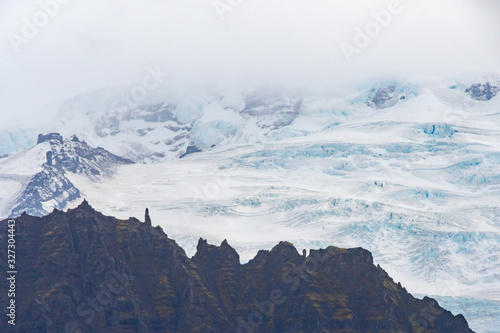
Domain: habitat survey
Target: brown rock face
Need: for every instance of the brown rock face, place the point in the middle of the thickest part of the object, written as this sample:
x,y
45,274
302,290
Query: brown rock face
x,y
82,271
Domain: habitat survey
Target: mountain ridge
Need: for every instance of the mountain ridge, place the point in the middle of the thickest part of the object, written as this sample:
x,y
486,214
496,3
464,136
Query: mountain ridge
x,y
82,271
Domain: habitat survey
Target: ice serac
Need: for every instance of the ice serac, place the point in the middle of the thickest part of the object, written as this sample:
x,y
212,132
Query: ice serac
x,y
86,272
439,130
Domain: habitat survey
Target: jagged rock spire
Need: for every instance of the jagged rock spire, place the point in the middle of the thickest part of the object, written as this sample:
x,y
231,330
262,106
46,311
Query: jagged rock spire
x,y
147,219
84,203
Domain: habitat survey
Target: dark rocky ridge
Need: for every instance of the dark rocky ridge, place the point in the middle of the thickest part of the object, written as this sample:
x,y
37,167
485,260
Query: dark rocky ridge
x,y
81,271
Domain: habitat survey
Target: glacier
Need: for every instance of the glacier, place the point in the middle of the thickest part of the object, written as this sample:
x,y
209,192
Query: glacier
x,y
415,180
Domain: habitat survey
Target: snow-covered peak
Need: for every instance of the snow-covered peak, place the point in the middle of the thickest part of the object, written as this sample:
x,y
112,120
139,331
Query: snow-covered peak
x,y
35,179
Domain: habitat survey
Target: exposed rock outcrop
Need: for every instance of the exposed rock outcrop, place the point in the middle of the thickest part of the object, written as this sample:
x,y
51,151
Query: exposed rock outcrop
x,y
48,137
482,91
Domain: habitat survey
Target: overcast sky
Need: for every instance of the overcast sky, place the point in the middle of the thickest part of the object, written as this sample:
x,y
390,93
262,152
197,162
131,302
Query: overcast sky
x,y
91,44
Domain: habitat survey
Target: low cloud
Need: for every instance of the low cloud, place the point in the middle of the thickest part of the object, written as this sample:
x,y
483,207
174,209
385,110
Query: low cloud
x,y
230,44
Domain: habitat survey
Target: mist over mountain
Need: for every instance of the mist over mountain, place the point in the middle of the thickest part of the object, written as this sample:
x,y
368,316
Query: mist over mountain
x,y
292,44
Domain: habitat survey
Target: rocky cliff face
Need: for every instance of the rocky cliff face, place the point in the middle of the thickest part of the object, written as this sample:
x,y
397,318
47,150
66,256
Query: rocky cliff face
x,y
81,271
